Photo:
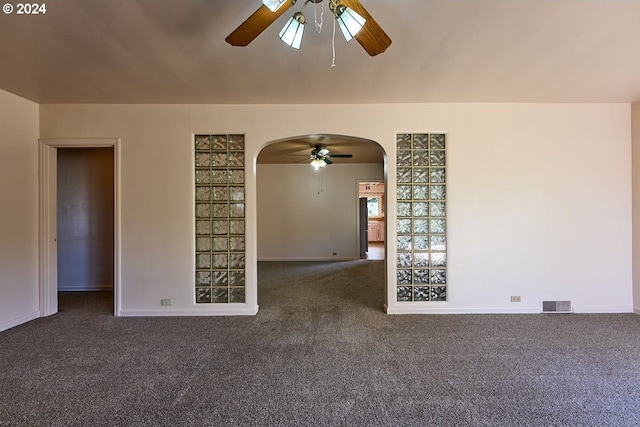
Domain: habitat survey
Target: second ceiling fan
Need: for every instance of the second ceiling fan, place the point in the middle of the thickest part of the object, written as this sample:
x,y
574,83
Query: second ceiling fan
x,y
359,25
320,157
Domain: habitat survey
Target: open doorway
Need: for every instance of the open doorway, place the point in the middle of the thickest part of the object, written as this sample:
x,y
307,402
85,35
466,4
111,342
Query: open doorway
x,y
85,228
372,219
307,217
80,268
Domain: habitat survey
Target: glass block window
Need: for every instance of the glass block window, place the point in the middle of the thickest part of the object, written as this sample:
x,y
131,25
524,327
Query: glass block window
x,y
421,219
219,219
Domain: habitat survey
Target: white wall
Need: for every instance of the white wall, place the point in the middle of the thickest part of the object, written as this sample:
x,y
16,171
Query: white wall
x,y
539,195
19,298
309,215
635,119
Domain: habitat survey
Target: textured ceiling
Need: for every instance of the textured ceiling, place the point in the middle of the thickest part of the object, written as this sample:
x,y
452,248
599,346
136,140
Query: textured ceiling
x,y
173,51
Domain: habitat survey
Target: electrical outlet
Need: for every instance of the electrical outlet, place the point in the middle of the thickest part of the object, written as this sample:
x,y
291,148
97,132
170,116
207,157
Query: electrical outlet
x,y
335,253
165,301
515,298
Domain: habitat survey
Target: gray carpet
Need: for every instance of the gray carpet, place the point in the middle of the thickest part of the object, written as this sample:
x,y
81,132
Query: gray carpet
x,y
319,352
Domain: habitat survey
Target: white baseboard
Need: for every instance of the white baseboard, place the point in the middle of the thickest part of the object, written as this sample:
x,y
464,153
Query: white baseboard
x,y
210,310
19,320
443,308
636,310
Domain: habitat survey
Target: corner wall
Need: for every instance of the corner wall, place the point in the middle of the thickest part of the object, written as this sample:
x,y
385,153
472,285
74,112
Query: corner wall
x,y
19,295
635,135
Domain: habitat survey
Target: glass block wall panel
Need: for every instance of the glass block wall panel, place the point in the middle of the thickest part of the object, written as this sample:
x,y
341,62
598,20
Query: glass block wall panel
x,y
421,223
219,219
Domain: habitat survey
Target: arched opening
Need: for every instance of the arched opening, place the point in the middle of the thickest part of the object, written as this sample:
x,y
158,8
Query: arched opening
x,y
309,223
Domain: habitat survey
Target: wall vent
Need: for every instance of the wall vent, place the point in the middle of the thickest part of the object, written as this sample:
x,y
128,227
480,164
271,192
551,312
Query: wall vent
x,y
557,307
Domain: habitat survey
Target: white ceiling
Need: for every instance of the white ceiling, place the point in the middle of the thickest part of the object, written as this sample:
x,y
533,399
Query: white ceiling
x,y
173,51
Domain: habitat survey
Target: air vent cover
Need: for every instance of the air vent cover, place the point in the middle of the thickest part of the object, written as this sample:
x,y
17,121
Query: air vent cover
x,y
556,307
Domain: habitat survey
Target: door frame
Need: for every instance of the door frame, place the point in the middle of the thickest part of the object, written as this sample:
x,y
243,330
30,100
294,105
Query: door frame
x,y
48,250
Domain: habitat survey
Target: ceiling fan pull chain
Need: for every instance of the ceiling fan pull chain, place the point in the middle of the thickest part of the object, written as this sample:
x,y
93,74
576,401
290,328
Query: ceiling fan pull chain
x,y
315,14
333,45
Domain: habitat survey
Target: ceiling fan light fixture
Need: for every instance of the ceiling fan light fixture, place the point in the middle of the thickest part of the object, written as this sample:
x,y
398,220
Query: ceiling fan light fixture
x,y
292,32
273,5
349,20
316,164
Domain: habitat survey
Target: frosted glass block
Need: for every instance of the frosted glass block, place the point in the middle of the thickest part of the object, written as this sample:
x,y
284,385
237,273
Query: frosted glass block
x,y
404,226
236,142
203,244
404,276
421,209
421,158
403,192
220,295
404,209
220,227
236,159
203,278
437,192
438,259
220,260
220,278
236,261
437,158
203,296
236,210
236,243
203,193
219,160
202,143
421,276
203,227
203,176
437,175
220,194
403,141
421,141
404,175
203,261
404,293
203,160
236,176
220,244
404,259
404,243
437,141
438,243
438,293
421,259
220,210
236,295
420,175
236,193
420,226
203,210
404,158
438,277
437,209
219,142
421,243
236,227
421,192
236,278
421,293
220,176
438,226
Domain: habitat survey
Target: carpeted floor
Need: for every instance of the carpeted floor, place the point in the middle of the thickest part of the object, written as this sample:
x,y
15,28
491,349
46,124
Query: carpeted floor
x,y
319,352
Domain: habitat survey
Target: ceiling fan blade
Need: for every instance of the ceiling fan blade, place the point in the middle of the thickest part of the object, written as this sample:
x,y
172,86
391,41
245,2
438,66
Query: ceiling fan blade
x,y
327,161
341,156
371,37
256,24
